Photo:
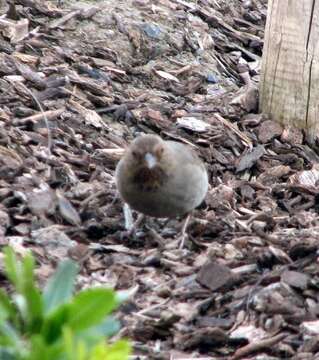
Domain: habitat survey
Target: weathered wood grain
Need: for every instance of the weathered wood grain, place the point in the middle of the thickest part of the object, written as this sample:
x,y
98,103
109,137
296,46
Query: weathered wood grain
x,y
289,88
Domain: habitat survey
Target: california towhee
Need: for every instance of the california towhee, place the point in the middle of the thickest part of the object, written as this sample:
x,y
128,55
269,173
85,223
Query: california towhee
x,y
161,178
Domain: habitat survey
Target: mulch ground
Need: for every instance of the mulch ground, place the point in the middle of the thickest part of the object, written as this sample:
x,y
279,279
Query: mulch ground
x,y
79,80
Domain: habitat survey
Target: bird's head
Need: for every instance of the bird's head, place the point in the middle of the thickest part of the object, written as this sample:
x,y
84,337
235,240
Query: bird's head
x,y
147,151
148,162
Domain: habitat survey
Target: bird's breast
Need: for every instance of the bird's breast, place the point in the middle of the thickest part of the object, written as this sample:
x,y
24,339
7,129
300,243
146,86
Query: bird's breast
x,y
150,179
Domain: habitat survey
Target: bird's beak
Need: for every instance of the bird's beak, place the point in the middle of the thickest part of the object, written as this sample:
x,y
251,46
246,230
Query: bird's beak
x,y
150,160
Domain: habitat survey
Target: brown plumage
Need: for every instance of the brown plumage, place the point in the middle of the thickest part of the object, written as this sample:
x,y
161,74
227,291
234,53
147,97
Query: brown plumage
x,y
161,178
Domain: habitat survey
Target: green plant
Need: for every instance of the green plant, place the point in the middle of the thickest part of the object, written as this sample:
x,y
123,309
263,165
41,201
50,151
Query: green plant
x,y
55,324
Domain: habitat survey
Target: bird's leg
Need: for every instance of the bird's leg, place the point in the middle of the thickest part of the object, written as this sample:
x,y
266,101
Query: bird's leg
x,y
131,226
183,235
158,239
137,223
128,217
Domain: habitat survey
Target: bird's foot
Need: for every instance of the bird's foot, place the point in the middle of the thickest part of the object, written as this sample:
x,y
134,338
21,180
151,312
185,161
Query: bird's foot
x,y
182,239
130,225
157,238
184,236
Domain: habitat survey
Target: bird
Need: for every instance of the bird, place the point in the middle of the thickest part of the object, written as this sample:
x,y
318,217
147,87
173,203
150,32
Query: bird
x,y
161,178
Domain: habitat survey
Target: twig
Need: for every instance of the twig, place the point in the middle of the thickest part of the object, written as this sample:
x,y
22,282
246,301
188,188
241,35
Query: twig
x,y
239,133
150,308
257,346
44,117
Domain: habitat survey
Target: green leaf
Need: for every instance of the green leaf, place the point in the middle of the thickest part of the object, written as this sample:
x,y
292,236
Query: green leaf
x,y
7,354
35,309
9,335
28,299
38,349
90,307
12,266
60,286
68,340
107,328
94,334
117,351
7,309
55,322
124,295
74,348
32,295
21,305
27,273
55,326
99,352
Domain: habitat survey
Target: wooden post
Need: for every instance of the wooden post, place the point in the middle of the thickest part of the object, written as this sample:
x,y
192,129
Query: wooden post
x,y
289,87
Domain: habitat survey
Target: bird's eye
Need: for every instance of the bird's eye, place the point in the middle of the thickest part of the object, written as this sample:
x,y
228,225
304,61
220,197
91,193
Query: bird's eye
x,y
159,151
136,154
